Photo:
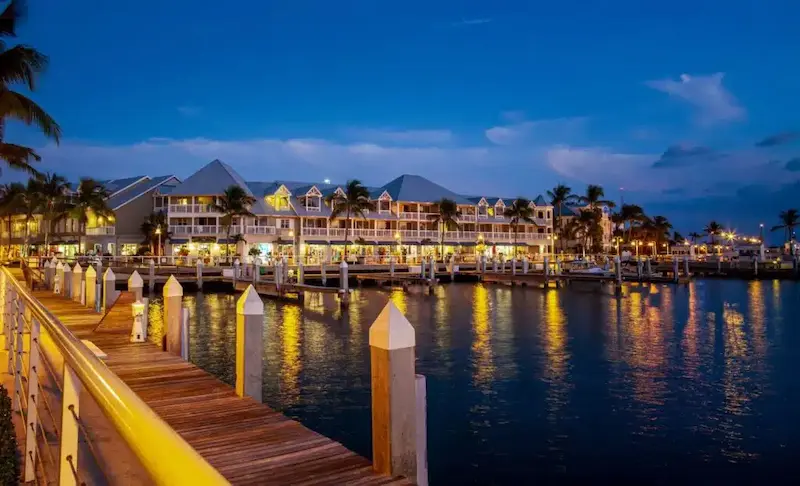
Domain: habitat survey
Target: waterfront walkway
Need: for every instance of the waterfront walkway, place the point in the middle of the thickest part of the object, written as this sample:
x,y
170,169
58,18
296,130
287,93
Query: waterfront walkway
x,y
246,441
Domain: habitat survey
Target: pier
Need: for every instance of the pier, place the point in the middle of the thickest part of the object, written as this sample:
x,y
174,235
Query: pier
x,y
181,424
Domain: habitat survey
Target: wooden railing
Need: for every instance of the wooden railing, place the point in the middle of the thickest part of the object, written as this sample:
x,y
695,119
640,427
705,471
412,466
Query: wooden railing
x,y
27,325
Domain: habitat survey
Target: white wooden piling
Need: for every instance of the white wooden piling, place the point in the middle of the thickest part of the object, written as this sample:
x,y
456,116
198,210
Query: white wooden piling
x,y
173,296
675,269
109,289
323,275
58,281
301,276
236,270
344,285
67,281
432,272
639,268
494,264
686,266
91,287
185,333
249,344
649,268
151,283
199,275
525,265
136,285
77,282
483,263
391,265
394,421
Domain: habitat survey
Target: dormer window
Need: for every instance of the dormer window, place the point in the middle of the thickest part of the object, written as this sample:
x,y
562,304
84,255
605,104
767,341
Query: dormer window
x,y
499,209
313,199
384,203
483,208
279,200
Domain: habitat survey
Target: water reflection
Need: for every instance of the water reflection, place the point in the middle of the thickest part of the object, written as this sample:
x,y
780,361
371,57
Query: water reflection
x,y
664,382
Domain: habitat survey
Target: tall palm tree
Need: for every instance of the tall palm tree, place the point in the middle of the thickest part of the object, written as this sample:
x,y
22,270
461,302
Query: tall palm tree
x,y
354,202
234,202
519,211
712,229
588,227
560,196
446,219
10,200
694,235
594,197
90,199
632,215
661,229
53,202
789,219
149,228
677,238
20,65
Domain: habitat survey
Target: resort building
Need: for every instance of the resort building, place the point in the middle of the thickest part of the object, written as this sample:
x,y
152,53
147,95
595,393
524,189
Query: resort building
x,y
572,212
293,219
130,199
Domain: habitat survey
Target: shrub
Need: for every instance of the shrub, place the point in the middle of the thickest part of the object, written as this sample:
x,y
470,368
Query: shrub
x,y
9,455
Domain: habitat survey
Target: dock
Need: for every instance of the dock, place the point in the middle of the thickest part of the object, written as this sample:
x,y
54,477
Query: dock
x,y
245,441
539,279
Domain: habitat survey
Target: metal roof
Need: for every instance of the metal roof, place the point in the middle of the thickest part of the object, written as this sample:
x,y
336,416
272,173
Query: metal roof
x,y
414,188
138,189
212,179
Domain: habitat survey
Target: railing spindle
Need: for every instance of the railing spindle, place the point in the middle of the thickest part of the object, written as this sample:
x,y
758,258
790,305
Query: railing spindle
x,y
69,427
33,414
19,326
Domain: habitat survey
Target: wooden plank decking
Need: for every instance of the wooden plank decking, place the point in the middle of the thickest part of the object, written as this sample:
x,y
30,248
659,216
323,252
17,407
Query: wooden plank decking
x,y
247,442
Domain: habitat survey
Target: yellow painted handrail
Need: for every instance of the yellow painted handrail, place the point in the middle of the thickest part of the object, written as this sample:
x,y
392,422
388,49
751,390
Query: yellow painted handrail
x,y
168,458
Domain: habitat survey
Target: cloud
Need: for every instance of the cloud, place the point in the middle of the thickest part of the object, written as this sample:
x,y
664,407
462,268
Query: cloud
x,y
685,155
471,22
706,94
793,165
778,139
552,131
189,110
402,137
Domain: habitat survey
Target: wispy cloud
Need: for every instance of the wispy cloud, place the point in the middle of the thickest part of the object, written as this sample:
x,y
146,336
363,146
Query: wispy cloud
x,y
401,137
778,139
189,110
793,165
685,156
552,131
471,22
711,101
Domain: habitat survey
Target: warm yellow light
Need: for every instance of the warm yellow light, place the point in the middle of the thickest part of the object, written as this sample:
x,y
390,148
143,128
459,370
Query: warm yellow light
x,y
158,230
397,235
191,246
138,308
291,234
650,244
480,236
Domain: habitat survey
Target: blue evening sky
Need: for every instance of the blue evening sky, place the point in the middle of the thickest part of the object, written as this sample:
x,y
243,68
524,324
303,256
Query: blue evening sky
x,y
691,106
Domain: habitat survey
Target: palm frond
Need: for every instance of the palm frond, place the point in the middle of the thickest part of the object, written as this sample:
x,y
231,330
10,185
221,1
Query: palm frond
x,y
21,64
19,107
19,157
10,17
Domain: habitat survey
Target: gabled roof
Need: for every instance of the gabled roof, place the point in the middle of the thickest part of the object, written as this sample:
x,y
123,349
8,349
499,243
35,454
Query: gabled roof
x,y
140,188
212,179
115,186
540,201
414,188
566,211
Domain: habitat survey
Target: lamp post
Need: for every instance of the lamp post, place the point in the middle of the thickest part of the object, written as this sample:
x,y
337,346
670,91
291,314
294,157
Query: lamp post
x,y
761,233
652,248
158,232
636,245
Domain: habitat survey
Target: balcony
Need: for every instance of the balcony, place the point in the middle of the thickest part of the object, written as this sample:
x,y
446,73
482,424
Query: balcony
x,y
191,209
101,231
208,230
259,230
180,230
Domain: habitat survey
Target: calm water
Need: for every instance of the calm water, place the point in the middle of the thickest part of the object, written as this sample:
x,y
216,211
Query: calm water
x,y
695,383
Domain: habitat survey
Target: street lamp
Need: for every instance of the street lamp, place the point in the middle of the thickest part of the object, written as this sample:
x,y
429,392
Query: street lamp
x,y
636,245
652,247
761,233
158,232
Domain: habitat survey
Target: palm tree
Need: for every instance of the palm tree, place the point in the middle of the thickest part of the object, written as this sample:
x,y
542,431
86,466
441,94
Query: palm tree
x,y
10,200
694,235
89,199
53,202
712,229
588,227
353,202
20,64
677,238
559,196
631,214
789,219
520,211
594,197
234,202
150,226
661,228
446,219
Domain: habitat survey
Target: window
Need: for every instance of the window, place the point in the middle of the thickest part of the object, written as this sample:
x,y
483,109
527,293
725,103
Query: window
x,y
482,210
540,215
285,223
384,206
313,203
541,230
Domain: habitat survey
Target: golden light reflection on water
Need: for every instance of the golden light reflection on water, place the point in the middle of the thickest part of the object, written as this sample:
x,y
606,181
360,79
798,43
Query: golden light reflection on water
x,y
399,298
690,338
557,356
756,307
483,362
644,348
291,363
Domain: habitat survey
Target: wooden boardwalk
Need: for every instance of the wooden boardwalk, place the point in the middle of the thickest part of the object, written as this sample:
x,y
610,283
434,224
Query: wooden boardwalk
x,y
247,442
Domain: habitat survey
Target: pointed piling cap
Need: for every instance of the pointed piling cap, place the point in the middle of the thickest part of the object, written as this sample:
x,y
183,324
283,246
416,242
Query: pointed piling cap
x,y
109,275
391,330
250,303
343,264
173,288
54,260
152,263
237,262
66,268
199,262
77,269
135,281
59,266
91,272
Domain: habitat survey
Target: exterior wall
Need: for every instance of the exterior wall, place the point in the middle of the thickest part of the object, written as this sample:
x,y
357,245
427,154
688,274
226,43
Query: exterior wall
x,y
129,218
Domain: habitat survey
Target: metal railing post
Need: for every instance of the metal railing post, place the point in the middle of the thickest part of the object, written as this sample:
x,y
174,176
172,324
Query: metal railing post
x,y
70,412
33,395
19,328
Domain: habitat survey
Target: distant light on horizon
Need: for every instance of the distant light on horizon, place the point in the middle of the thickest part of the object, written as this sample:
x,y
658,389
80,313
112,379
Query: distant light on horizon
x,y
327,181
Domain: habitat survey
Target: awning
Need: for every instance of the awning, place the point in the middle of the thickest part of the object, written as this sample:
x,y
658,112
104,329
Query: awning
x,y
385,243
316,242
178,241
225,240
469,243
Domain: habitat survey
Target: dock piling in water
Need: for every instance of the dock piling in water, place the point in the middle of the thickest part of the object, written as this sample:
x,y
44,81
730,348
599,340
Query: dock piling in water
x,y
249,344
394,422
109,289
151,283
200,274
136,285
67,281
77,282
173,296
91,287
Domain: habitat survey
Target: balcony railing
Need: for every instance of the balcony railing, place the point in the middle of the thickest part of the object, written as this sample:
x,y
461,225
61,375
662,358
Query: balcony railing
x,y
181,230
191,208
207,230
101,231
259,230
